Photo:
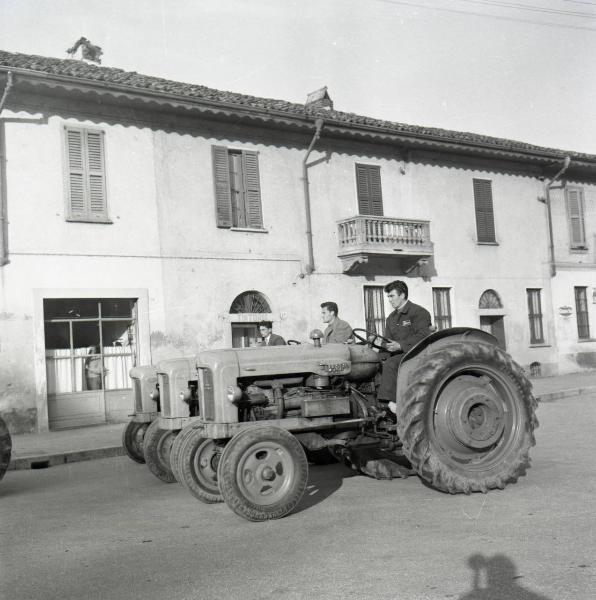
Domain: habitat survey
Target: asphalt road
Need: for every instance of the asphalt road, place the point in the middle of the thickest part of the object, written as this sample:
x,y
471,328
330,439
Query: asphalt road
x,y
108,529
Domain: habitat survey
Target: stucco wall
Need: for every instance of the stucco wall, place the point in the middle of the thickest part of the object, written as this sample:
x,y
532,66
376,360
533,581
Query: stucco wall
x,y
164,241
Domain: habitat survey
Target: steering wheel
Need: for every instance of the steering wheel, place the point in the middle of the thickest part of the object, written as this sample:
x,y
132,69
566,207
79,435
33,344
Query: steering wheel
x,y
293,343
371,338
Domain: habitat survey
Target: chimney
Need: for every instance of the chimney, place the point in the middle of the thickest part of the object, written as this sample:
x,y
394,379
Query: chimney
x,y
319,99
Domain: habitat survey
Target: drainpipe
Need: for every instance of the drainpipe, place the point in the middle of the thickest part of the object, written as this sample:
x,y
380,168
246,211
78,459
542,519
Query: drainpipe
x,y
3,219
310,267
547,188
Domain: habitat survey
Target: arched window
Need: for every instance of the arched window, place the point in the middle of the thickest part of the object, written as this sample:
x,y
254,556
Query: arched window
x,y
490,299
250,302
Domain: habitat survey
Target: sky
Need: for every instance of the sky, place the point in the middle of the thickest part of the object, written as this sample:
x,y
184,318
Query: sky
x,y
523,70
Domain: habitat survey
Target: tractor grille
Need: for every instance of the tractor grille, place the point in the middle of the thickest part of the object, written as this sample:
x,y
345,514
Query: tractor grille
x,y
206,396
164,395
137,391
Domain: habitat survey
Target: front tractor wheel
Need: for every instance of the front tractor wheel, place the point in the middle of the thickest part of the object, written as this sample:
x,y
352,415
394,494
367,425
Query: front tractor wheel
x,y
467,418
197,462
132,440
157,446
262,473
5,448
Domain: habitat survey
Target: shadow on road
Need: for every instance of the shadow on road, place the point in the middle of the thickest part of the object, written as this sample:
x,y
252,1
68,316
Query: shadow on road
x,y
495,578
322,482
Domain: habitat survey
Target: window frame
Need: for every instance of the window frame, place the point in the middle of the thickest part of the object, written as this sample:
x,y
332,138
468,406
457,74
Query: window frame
x,y
582,245
581,294
87,215
222,185
439,319
535,319
366,289
358,167
484,239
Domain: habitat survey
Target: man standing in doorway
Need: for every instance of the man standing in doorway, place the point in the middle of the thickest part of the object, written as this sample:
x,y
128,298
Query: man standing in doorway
x,y
337,331
408,324
268,338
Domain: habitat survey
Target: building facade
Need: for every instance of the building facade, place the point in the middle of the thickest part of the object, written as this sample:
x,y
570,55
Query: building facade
x,y
145,219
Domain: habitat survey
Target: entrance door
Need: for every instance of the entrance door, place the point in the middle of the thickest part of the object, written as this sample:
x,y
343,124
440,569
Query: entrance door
x,y
244,335
90,347
495,326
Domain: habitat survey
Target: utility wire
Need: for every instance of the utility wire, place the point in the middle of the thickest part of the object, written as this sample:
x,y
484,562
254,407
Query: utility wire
x,y
527,7
487,16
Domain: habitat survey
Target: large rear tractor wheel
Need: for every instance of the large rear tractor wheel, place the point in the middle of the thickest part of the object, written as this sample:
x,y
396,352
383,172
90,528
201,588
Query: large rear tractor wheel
x,y
467,418
157,446
263,473
132,440
197,463
5,448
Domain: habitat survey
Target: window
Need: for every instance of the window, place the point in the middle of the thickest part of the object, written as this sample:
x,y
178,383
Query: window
x,y
86,187
581,310
483,203
490,299
575,215
535,316
368,186
237,188
250,302
90,343
442,307
374,309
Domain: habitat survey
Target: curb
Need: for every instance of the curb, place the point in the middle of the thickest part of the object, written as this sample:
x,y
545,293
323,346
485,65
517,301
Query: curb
x,y
44,460
552,396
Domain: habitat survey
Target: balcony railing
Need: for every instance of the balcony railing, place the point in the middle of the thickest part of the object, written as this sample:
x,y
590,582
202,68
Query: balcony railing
x,y
365,237
384,234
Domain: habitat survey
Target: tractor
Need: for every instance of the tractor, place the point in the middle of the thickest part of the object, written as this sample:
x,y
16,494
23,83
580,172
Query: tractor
x,y
238,425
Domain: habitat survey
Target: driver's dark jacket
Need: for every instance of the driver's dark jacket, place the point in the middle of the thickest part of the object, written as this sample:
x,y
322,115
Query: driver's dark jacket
x,y
408,326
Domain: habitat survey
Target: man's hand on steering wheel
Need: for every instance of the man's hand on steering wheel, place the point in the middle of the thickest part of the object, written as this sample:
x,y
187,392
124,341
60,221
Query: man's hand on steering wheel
x,y
372,339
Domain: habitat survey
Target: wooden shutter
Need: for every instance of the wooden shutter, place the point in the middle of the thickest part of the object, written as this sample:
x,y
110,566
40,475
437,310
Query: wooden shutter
x,y
368,185
575,212
221,177
96,174
76,173
86,175
252,189
483,202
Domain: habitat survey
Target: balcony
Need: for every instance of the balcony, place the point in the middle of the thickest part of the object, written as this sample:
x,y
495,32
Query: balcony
x,y
384,245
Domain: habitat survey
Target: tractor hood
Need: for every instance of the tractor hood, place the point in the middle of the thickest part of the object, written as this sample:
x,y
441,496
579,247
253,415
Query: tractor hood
x,y
330,359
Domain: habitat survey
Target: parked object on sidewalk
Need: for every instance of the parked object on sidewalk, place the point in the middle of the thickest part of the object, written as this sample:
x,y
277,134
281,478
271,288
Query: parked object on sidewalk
x,y
5,447
234,424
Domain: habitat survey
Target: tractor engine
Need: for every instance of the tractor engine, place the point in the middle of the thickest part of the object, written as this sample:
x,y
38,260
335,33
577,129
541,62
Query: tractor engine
x,y
311,394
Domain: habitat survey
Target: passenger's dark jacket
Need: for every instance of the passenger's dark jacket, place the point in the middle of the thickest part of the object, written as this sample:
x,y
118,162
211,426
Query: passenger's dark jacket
x,y
408,326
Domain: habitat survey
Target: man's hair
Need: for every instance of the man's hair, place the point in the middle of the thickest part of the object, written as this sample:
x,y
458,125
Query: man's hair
x,y
267,324
331,306
399,286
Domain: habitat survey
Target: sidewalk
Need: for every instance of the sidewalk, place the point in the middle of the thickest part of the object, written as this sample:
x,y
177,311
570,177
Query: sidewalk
x,y
42,450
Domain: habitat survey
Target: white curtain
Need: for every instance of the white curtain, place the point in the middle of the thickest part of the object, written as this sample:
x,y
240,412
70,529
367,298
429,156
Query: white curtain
x,y
116,367
59,369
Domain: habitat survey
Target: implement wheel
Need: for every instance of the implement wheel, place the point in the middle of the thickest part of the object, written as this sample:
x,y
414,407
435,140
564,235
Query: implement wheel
x,y
157,446
5,448
197,463
132,440
467,418
263,473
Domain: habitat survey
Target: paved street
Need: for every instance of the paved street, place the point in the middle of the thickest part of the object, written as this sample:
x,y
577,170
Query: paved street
x,y
107,529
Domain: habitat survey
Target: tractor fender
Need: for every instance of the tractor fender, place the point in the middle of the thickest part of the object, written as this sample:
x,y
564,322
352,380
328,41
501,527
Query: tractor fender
x,y
435,340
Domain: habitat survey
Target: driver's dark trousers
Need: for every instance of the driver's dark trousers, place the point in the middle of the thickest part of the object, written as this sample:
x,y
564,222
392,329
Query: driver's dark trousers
x,y
388,388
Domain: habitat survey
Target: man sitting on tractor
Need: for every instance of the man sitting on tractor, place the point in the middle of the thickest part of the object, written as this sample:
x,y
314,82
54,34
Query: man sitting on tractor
x,y
408,324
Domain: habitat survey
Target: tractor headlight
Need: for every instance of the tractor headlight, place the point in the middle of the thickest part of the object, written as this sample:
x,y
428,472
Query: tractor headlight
x,y
233,393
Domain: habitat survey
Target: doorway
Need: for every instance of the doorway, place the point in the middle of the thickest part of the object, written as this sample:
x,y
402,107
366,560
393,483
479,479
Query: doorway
x,y
90,346
495,326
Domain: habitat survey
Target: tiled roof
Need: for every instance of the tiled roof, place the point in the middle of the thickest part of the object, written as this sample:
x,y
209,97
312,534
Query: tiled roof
x,y
86,72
